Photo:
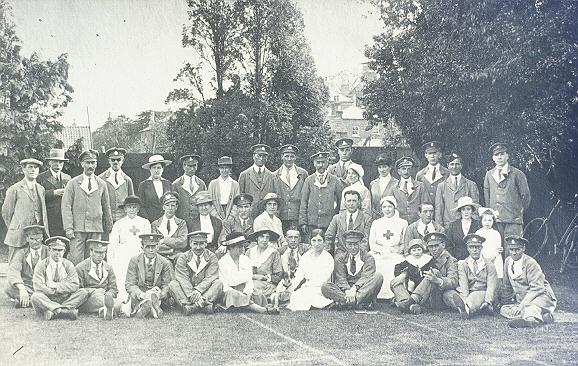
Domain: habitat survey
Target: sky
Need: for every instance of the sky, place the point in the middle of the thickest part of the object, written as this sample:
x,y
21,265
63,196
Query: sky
x,y
124,54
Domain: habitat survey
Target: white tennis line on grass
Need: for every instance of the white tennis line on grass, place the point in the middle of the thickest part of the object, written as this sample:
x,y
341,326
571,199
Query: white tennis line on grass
x,y
465,340
333,359
307,361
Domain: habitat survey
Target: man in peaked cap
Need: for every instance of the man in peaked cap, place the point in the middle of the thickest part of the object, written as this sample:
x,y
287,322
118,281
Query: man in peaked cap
x,y
534,301
98,281
118,183
196,285
224,188
56,284
257,180
409,193
54,180
506,191
24,205
147,279
289,181
21,271
434,173
188,186
173,229
339,169
86,212
241,221
477,279
205,222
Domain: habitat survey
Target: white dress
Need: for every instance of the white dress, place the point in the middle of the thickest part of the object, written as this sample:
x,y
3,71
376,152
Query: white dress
x,y
125,244
385,244
315,270
490,248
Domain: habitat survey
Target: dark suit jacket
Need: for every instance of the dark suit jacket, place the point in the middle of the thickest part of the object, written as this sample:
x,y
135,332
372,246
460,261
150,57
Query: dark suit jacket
x,y
377,194
338,225
249,183
341,275
21,271
447,199
290,198
89,279
457,246
53,203
408,204
431,188
135,275
200,280
186,206
151,207
194,224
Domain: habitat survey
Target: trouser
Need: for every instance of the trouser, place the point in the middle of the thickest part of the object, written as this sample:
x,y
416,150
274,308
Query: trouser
x,y
211,295
506,229
95,300
515,311
136,302
14,293
12,252
425,294
474,300
43,302
78,248
367,293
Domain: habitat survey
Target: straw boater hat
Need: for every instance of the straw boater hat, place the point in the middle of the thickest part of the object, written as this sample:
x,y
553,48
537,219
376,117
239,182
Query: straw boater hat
x,y
30,161
56,154
466,201
156,159
235,238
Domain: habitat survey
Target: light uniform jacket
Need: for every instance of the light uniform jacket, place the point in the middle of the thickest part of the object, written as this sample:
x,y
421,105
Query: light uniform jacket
x,y
447,198
377,194
53,202
187,208
68,284
89,279
320,203
342,277
86,212
448,267
511,197
21,271
530,286
215,192
233,224
408,204
290,197
135,282
338,225
424,176
117,193
485,280
191,277
249,183
18,212
175,241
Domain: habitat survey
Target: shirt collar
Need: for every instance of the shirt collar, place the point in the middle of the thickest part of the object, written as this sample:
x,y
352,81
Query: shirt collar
x,y
225,180
256,168
113,172
504,169
55,174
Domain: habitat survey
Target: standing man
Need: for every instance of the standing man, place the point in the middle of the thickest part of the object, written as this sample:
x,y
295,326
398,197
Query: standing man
x,y
289,181
451,190
506,191
408,193
85,208
188,186
54,180
257,180
339,169
321,196
119,184
241,222
223,189
23,206
421,227
434,173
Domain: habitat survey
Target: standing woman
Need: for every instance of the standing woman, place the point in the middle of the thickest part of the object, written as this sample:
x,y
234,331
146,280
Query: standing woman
x,y
382,185
461,227
386,243
266,263
354,180
153,188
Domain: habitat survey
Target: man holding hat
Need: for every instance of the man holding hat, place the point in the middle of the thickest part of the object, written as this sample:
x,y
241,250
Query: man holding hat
x,y
98,281
352,218
85,208
223,189
423,226
339,169
321,196
21,269
434,173
506,191
54,180
56,284
409,193
188,186
118,183
196,286
23,205
450,190
173,229
289,181
207,223
524,281
241,220
257,180
148,278
477,279
355,281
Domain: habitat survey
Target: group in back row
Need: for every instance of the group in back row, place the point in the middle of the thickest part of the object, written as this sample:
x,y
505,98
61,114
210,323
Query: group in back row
x,y
332,199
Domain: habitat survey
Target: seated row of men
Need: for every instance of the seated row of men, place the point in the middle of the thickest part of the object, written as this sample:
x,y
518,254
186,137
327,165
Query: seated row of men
x,y
256,281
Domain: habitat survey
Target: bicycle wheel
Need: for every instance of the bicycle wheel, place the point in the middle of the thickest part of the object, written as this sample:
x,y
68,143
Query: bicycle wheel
x,y
570,252
536,231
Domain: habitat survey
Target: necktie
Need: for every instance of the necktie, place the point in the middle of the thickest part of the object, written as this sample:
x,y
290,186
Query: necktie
x,y
512,267
353,266
150,264
321,179
243,223
475,267
191,184
455,183
168,226
500,175
89,184
350,223
58,178
56,276
425,231
433,174
288,177
34,258
404,186
98,272
116,178
292,261
198,261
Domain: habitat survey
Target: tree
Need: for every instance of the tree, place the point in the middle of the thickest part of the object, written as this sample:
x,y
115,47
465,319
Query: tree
x,y
32,94
115,132
469,73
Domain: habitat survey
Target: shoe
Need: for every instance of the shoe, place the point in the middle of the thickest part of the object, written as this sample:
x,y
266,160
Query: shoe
x,y
415,309
522,323
108,306
144,309
209,309
371,306
189,309
548,318
48,315
156,306
461,307
71,314
271,310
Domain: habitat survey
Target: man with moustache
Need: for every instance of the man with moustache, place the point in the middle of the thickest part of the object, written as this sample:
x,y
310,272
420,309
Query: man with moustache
x,y
85,208
54,180
119,184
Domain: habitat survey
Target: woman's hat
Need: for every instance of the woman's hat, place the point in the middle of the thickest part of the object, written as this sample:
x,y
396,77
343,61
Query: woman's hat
x,y
487,210
357,168
273,236
466,201
130,200
235,238
156,159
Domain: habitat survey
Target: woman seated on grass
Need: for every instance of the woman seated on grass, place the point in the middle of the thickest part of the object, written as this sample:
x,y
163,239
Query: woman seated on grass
x,y
266,263
236,273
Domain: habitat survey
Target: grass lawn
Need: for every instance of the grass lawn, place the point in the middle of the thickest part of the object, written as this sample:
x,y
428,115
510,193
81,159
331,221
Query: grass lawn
x,y
304,338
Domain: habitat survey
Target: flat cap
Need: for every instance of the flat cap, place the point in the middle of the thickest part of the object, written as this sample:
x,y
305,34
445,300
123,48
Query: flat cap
x,y
203,197
30,161
498,147
354,234
404,161
34,229
320,155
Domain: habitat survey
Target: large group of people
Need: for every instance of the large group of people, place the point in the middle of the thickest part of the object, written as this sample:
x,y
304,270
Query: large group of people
x,y
282,238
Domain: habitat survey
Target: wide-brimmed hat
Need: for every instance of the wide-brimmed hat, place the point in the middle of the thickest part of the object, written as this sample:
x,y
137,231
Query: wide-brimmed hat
x,y
156,159
130,200
273,236
202,197
56,154
30,161
235,238
466,201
